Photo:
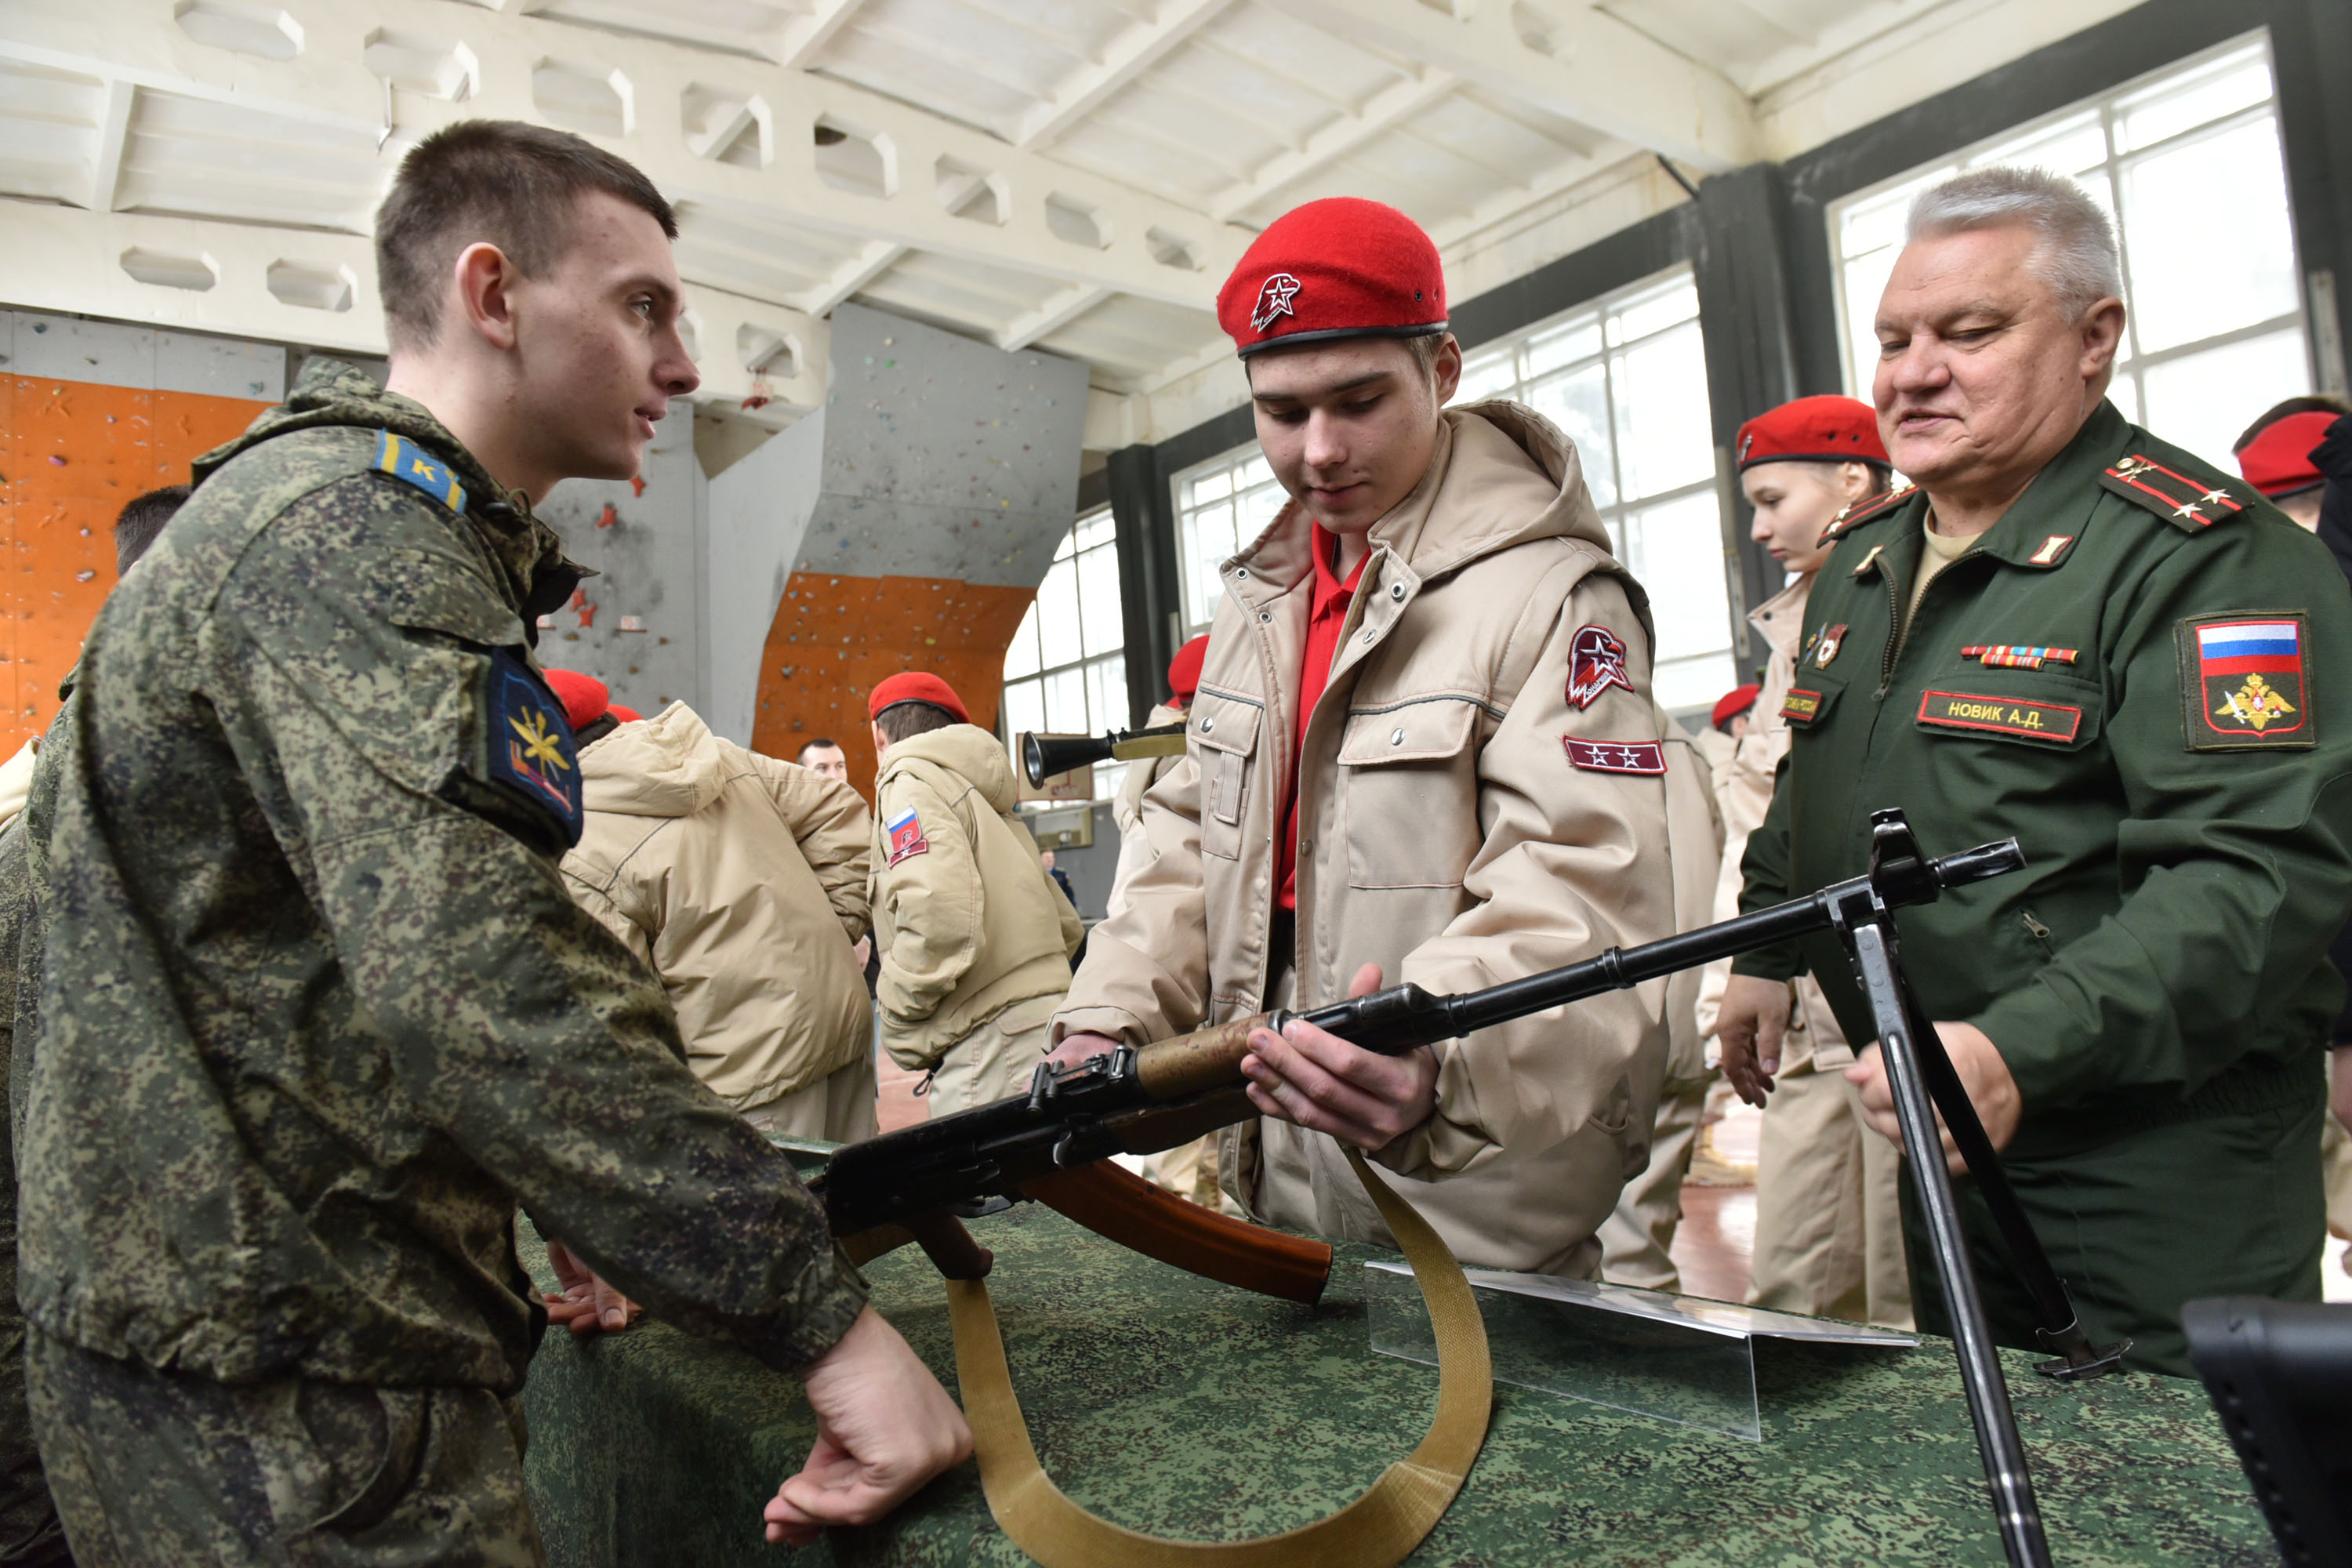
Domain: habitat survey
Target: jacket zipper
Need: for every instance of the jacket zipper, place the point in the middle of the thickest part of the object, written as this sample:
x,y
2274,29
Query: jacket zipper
x,y
2038,932
1899,627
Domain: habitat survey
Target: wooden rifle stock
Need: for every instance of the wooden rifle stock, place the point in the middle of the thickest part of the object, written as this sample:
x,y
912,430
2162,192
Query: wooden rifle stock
x,y
1113,1202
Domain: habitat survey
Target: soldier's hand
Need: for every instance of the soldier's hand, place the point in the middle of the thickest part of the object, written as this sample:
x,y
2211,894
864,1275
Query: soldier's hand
x,y
884,1427
1076,1048
585,1303
1982,1073
1318,1080
1749,1026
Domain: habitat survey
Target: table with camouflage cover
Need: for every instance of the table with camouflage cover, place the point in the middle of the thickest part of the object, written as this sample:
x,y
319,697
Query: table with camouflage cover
x,y
1177,1406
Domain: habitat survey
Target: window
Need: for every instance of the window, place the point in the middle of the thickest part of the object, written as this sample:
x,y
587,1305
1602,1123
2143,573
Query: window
x,y
1066,673
2215,333
1626,378
1220,506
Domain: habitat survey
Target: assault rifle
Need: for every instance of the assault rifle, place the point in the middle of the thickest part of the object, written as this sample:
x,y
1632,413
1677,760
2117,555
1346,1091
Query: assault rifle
x,y
1051,1143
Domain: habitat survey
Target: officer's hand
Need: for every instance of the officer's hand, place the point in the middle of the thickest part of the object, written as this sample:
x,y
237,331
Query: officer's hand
x,y
586,1303
1076,1048
1317,1079
1982,1073
884,1427
1749,1026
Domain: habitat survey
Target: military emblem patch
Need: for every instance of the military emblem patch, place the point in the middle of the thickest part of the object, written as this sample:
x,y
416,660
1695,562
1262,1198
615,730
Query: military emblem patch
x,y
1826,649
1615,756
2244,682
1596,661
905,833
404,459
1273,298
2054,722
532,749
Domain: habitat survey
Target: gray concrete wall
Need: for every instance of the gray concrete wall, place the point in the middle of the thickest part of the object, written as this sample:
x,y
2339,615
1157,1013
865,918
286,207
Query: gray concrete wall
x,y
758,510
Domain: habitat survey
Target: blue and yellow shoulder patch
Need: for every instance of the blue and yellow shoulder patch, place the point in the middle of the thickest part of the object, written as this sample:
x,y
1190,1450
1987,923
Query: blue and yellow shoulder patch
x,y
2190,505
1862,511
532,749
404,459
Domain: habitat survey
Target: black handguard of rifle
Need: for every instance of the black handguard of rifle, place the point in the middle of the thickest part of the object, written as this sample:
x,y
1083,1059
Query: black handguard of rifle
x,y
1387,1023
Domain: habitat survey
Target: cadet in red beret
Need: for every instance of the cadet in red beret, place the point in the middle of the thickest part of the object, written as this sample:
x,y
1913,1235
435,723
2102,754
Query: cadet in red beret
x,y
2277,462
585,698
974,938
1423,748
1801,466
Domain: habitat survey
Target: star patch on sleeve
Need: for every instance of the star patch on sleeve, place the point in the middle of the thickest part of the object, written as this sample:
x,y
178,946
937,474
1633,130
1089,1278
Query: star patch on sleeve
x,y
1615,756
532,749
2245,686
905,832
1596,661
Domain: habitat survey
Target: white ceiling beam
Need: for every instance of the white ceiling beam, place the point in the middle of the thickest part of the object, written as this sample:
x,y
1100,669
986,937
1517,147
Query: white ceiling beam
x,y
119,40
1135,50
1334,140
1050,317
1591,68
806,36
113,137
873,259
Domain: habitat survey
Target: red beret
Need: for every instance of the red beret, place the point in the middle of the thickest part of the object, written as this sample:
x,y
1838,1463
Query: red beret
x,y
625,715
585,698
2278,462
915,686
1184,669
1826,429
1733,703
1339,268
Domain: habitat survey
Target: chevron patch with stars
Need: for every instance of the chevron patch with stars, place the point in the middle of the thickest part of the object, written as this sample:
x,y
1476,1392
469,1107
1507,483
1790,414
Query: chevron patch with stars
x,y
404,459
2189,504
1615,756
531,750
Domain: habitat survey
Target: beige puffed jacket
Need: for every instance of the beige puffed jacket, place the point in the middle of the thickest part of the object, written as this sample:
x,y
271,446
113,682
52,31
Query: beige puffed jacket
x,y
1127,807
1445,833
741,880
967,921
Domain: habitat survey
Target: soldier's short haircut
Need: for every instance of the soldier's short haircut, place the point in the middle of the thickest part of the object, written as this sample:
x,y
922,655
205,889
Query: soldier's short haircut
x,y
822,743
496,181
141,523
2077,252
905,720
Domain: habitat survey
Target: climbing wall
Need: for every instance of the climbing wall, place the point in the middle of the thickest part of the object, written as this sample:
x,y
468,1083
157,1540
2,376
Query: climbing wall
x,y
92,413
905,525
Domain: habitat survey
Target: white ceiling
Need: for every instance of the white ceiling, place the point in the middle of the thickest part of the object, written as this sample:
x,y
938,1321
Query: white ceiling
x,y
1075,176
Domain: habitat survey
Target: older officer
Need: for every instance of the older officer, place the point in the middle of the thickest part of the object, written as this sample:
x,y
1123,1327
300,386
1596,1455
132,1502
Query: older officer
x,y
1422,748
2077,633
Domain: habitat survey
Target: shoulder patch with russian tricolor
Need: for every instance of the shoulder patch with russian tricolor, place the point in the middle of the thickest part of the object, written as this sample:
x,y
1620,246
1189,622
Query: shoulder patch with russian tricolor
x,y
2244,683
905,833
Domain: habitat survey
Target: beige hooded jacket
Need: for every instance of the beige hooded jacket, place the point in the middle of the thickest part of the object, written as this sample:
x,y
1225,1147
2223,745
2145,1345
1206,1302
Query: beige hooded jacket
x,y
1447,832
1127,807
967,921
741,880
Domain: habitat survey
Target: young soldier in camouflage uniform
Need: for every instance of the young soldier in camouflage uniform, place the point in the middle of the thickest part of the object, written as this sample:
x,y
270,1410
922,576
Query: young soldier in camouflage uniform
x,y
2077,633
316,1011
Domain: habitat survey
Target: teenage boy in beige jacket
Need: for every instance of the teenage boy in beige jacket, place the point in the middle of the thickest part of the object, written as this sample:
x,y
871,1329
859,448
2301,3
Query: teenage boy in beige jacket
x,y
975,938
741,882
1422,750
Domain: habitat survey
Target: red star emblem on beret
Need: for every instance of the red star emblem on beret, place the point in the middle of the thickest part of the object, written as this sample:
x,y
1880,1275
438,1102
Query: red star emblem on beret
x,y
1274,298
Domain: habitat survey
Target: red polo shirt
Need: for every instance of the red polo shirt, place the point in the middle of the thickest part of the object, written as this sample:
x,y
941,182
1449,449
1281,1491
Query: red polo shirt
x,y
1327,612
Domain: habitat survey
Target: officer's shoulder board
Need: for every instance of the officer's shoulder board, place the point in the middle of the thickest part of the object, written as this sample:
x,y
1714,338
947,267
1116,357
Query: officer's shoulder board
x,y
1856,513
404,461
2192,500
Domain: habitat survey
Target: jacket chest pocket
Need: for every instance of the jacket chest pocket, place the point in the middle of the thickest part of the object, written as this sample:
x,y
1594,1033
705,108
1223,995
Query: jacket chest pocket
x,y
1225,737
1409,784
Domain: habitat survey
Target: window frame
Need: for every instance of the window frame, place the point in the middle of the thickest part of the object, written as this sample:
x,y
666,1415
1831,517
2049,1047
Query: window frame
x,y
1087,665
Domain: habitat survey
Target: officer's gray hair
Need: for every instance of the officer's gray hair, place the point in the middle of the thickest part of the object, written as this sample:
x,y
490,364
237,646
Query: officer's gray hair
x,y
2076,254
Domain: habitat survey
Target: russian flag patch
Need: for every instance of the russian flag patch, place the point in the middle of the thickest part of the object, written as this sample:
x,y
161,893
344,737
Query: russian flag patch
x,y
2243,681
905,833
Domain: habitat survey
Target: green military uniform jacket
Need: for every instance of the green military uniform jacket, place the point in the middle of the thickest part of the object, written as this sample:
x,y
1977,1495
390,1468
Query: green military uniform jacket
x,y
316,1010
2144,672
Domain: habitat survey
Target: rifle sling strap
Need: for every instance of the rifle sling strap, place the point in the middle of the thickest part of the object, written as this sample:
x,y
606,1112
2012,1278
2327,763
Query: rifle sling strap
x,y
1376,1531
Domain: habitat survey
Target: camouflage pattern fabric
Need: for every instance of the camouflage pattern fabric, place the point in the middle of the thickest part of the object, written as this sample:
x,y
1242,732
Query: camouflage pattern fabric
x,y
1175,1406
29,1531
151,1468
306,937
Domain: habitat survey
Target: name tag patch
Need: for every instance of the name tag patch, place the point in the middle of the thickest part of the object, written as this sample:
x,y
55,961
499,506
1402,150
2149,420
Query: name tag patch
x,y
532,747
2244,683
2053,722
1801,706
905,834
1616,756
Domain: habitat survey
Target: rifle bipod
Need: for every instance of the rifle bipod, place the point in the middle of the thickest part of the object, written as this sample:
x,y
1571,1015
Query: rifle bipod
x,y
1919,1071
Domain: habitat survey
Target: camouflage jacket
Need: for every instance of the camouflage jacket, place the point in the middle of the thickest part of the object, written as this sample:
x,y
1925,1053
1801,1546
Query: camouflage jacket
x,y
316,1009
